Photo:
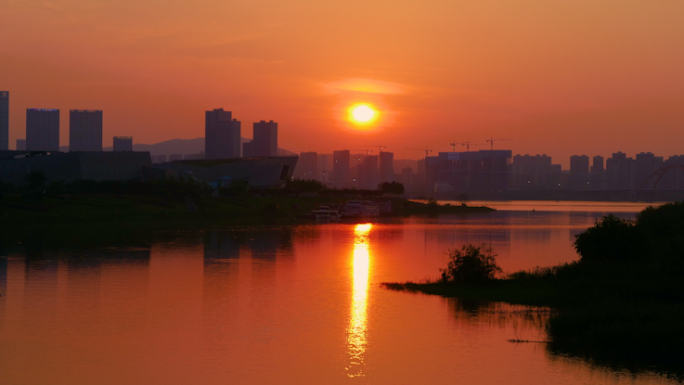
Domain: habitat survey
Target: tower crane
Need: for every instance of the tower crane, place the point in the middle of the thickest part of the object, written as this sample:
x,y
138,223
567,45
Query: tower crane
x,y
379,147
466,144
427,150
367,151
492,140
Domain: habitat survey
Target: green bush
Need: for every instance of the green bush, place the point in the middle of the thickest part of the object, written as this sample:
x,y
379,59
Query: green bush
x,y
470,264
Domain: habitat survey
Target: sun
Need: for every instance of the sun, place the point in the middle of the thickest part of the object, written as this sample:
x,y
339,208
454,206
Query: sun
x,y
362,113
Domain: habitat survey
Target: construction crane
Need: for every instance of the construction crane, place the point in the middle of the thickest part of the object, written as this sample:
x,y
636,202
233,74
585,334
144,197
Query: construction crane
x,y
492,140
427,150
379,147
367,151
467,144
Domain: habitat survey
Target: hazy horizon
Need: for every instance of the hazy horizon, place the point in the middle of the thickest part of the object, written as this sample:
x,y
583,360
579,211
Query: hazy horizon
x,y
558,78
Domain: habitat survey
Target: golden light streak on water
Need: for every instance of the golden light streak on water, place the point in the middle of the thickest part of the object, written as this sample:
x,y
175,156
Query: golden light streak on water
x,y
356,331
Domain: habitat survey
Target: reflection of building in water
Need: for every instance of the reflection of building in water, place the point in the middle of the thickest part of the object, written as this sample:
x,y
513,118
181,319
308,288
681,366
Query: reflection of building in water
x,y
266,244
308,235
236,262
266,247
356,331
40,280
84,272
45,277
222,245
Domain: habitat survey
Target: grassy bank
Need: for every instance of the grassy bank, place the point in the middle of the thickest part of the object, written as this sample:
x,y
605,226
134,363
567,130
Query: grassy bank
x,y
18,211
621,305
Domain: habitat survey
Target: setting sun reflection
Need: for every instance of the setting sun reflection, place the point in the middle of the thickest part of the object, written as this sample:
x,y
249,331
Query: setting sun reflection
x,y
356,332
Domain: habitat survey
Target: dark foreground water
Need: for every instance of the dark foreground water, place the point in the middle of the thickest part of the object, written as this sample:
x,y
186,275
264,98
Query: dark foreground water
x,y
297,305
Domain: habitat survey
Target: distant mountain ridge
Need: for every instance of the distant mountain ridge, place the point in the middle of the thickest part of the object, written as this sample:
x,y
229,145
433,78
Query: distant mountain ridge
x,y
178,146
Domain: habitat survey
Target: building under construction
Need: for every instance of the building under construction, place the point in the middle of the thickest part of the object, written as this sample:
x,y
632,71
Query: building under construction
x,y
470,171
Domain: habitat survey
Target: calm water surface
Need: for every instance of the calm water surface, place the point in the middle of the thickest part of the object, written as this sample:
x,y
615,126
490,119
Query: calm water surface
x,y
294,305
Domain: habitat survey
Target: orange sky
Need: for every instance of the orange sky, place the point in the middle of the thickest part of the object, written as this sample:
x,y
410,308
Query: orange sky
x,y
559,77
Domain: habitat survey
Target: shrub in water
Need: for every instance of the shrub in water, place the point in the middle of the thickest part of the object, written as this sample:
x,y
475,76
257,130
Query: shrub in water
x,y
470,264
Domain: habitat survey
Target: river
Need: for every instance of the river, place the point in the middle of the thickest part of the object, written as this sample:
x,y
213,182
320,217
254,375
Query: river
x,y
286,304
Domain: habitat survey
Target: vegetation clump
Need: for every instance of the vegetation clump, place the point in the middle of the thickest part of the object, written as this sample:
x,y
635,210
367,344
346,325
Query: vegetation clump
x,y
620,304
470,265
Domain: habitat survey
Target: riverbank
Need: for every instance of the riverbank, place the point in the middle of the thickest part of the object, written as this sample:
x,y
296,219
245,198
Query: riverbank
x,y
17,211
621,318
621,305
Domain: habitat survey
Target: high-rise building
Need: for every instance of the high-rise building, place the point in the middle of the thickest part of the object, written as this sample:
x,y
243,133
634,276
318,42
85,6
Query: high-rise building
x,y
4,120
42,129
307,166
123,143
325,167
175,157
221,135
484,170
579,172
264,142
645,164
534,172
386,167
340,171
597,173
579,164
673,179
21,144
407,177
619,172
85,130
368,174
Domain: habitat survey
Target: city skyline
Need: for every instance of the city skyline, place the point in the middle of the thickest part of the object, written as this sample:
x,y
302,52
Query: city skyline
x,y
551,76
407,152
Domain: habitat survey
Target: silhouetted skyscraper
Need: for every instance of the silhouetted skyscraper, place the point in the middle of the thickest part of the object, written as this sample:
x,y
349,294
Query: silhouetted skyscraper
x,y
4,120
307,166
619,172
407,177
579,164
124,143
221,135
597,173
579,172
325,167
21,144
535,172
386,167
264,142
369,176
42,129
597,165
644,166
340,171
85,130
